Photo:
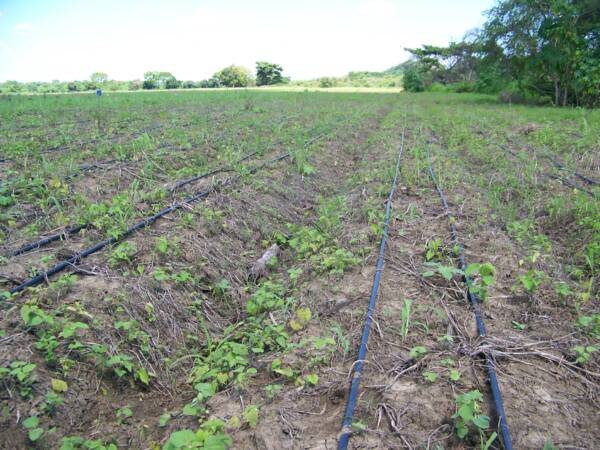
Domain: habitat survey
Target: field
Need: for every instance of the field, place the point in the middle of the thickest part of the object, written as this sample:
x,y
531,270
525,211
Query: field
x,y
232,318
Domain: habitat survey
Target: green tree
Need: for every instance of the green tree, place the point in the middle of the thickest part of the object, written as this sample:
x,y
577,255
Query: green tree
x,y
99,78
233,76
160,80
268,73
551,47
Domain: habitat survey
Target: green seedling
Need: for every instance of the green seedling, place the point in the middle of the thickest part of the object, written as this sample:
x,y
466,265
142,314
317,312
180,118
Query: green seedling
x,y
405,319
584,353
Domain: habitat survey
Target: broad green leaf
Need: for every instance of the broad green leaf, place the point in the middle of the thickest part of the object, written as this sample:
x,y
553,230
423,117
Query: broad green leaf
x,y
465,412
35,434
312,379
164,419
481,421
181,439
31,422
251,415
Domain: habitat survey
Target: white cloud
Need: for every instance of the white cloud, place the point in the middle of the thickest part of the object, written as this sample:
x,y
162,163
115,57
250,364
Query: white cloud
x,y
24,28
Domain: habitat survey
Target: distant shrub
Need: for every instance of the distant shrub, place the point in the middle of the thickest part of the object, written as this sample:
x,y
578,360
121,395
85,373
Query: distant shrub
x,y
413,80
438,87
464,86
513,94
326,82
210,83
135,85
172,83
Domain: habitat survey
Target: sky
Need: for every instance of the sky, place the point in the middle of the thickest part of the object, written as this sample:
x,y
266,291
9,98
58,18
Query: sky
x,y
44,40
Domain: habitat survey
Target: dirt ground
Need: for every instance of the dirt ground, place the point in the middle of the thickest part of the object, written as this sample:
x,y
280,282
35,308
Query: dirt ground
x,y
405,401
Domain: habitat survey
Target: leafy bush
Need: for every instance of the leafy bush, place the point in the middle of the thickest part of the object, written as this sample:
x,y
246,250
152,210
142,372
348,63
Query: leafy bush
x,y
413,80
327,82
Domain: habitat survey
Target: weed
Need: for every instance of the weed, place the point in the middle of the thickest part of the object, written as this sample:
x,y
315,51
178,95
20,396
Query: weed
x,y
268,297
300,320
531,281
123,414
590,324
584,353
405,317
454,375
417,351
122,254
434,250
250,415
22,374
272,390
430,376
221,289
517,325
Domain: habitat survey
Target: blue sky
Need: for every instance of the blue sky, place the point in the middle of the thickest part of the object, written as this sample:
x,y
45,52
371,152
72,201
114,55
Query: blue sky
x,y
69,39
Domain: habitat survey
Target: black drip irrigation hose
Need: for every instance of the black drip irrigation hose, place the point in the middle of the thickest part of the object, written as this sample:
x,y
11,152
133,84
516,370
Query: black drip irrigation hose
x,y
74,230
572,185
187,181
359,363
474,300
42,242
63,234
138,226
562,167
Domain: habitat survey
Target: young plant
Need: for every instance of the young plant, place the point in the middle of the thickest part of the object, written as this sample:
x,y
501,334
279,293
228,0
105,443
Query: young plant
x,y
468,416
405,317
482,276
211,435
434,250
584,353
531,281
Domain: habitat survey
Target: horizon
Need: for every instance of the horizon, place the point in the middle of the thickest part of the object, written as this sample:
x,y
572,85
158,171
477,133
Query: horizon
x,y
69,40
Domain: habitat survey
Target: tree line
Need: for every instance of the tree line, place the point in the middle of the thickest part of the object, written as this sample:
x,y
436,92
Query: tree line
x,y
530,51
232,76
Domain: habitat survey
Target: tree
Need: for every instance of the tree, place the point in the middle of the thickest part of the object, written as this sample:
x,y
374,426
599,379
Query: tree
x,y
12,86
268,73
135,85
210,83
98,78
548,46
149,84
160,80
456,63
537,49
172,83
233,76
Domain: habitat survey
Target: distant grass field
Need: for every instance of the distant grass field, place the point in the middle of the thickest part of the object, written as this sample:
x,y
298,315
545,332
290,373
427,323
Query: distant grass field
x,y
171,337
